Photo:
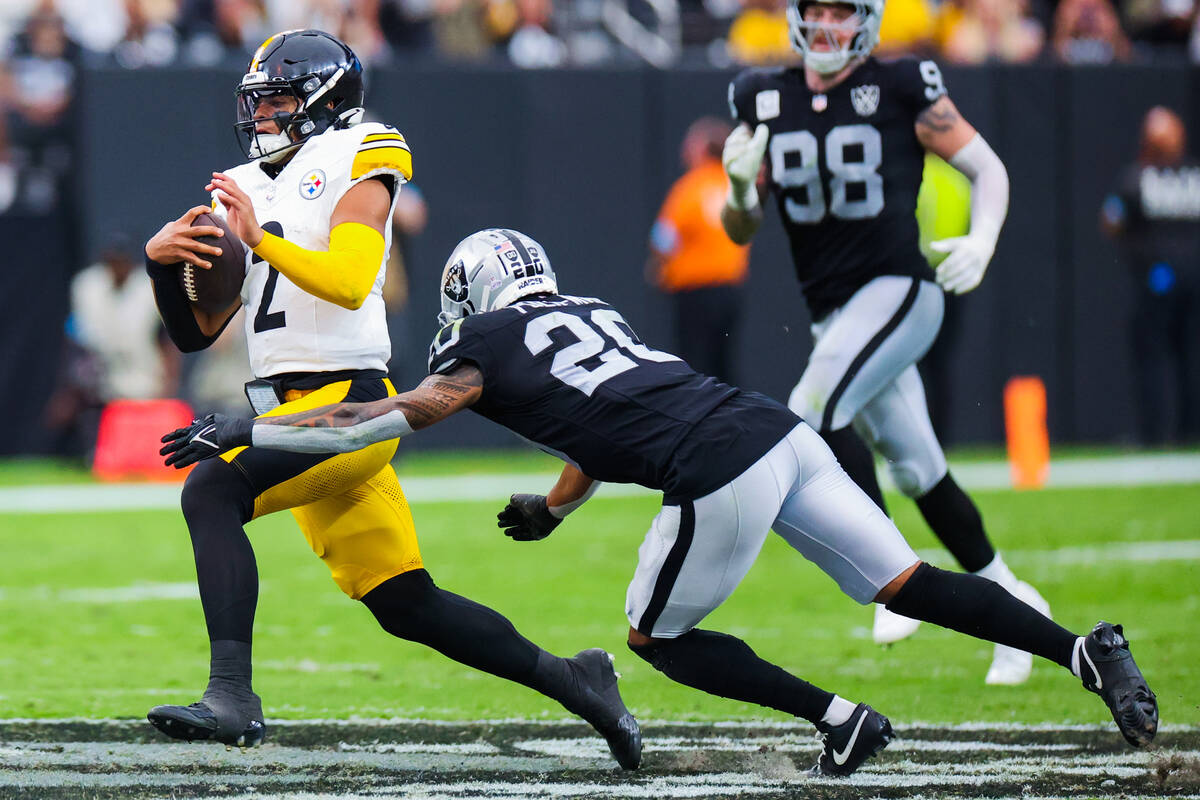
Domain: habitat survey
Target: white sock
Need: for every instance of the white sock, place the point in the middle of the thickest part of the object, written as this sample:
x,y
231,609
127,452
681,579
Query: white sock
x,y
1075,657
999,572
839,711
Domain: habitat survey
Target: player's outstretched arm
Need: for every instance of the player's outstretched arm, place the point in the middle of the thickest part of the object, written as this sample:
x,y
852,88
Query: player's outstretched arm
x,y
532,517
351,426
742,157
339,428
944,132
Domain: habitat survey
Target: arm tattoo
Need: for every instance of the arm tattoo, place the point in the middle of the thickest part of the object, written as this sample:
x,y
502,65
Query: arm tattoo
x,y
437,397
938,118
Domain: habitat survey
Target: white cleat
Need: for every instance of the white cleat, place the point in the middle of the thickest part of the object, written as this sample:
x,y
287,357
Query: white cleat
x,y
891,627
1012,667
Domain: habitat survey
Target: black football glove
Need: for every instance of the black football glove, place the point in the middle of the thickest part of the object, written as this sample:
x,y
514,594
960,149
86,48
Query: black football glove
x,y
205,438
526,518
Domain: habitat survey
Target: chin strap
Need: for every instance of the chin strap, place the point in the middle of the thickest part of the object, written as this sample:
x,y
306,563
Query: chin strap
x,y
270,146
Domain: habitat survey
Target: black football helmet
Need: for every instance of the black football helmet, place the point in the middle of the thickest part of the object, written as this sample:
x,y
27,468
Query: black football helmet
x,y
319,71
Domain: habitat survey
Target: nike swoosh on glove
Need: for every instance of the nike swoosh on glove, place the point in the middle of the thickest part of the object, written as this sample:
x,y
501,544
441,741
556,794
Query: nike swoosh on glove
x,y
964,266
205,438
742,158
526,518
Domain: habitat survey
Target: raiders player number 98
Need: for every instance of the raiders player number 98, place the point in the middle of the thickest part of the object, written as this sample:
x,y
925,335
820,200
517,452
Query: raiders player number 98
x,y
840,142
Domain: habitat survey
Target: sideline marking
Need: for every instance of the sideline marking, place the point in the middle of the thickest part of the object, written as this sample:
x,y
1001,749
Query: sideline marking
x,y
1112,552
1129,470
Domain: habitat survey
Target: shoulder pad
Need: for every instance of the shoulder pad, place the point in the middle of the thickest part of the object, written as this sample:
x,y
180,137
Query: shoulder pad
x,y
381,149
443,340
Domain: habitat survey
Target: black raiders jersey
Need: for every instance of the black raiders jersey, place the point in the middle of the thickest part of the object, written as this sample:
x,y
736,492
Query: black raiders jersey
x,y
570,374
1159,211
845,168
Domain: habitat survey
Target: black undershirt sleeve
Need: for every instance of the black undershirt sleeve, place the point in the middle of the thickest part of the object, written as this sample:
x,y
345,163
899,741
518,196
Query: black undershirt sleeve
x,y
175,310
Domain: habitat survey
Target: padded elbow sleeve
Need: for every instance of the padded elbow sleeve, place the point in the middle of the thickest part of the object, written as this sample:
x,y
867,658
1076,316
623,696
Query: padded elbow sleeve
x,y
343,274
989,185
175,310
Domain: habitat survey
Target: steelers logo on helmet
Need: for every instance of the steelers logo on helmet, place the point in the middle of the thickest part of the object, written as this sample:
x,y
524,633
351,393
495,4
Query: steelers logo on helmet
x,y
299,84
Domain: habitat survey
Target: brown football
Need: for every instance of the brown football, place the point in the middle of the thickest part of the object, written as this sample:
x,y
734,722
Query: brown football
x,y
214,290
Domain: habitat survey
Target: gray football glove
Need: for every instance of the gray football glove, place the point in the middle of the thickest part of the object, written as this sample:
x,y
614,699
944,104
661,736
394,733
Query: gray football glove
x,y
526,518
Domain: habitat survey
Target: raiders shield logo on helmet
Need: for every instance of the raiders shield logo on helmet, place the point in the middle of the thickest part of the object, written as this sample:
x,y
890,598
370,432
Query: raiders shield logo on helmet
x,y
865,99
456,283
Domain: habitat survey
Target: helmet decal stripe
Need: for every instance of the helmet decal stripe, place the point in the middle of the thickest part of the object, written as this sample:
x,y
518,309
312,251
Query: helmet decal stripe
x,y
325,87
526,259
261,52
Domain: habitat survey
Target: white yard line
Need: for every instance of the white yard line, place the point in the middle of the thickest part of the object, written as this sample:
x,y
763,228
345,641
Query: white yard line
x,y
1110,553
736,727
477,769
1127,470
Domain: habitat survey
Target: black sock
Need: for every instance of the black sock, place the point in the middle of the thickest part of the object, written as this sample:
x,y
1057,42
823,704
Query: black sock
x,y
856,459
955,521
980,608
411,607
229,693
217,501
724,665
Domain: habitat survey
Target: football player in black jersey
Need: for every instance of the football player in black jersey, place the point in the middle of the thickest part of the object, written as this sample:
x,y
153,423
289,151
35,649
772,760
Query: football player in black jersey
x,y
844,137
571,375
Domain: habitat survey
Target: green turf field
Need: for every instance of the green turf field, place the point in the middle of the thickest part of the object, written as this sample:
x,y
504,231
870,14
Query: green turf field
x,y
98,619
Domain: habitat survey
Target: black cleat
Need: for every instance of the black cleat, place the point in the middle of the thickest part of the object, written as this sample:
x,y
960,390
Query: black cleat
x,y
199,722
599,702
1107,668
848,745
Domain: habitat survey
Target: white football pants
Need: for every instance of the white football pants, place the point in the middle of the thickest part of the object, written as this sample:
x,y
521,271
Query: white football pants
x,y
863,371
696,553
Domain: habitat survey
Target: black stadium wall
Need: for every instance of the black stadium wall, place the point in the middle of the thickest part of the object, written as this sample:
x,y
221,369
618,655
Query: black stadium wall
x,y
581,159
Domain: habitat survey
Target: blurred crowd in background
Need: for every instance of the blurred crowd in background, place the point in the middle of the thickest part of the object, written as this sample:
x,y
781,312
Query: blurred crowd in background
x,y
45,38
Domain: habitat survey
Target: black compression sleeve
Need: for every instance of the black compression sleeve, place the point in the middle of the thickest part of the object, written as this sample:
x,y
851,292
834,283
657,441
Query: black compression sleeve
x,y
175,310
980,608
724,665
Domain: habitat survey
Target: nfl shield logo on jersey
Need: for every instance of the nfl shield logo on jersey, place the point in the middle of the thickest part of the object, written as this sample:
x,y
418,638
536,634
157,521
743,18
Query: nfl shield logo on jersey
x,y
312,185
865,99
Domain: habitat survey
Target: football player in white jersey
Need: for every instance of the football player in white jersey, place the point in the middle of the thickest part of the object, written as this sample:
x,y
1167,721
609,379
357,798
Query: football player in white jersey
x,y
313,206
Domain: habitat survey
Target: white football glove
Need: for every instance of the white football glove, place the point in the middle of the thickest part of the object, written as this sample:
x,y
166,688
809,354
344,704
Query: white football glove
x,y
742,157
963,269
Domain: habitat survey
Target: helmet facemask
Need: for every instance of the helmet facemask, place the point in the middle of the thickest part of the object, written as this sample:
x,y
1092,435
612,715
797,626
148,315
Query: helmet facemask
x,y
492,269
320,73
862,24
292,128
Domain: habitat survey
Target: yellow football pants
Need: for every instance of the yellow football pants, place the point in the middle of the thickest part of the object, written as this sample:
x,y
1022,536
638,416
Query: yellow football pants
x,y
349,505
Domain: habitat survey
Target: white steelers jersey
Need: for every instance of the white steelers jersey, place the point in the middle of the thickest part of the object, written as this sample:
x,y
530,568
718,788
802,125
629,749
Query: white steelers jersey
x,y
288,329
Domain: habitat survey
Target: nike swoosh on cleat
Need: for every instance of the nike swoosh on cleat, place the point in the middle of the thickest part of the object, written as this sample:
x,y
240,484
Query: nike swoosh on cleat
x,y
199,437
840,758
1090,663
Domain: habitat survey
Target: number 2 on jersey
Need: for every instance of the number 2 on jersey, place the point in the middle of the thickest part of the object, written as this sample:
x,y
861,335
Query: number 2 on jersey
x,y
805,179
568,362
264,321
